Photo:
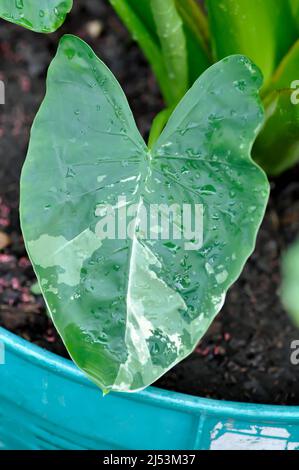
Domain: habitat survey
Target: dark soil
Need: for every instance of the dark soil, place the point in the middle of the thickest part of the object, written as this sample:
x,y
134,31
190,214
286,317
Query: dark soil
x,y
246,354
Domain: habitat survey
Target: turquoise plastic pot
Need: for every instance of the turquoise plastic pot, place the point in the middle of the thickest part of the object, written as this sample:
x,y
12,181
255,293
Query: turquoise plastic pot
x,y
47,403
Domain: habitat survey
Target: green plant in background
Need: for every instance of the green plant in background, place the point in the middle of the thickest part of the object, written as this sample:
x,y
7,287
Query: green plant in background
x,y
180,41
43,16
129,309
290,285
174,47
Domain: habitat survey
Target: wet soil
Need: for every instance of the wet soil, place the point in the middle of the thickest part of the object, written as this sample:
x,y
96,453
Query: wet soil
x,y
245,356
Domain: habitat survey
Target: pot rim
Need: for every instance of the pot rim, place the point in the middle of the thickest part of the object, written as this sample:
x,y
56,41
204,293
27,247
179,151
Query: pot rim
x,y
32,353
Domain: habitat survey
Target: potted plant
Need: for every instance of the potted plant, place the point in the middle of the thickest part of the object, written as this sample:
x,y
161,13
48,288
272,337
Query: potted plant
x,y
85,152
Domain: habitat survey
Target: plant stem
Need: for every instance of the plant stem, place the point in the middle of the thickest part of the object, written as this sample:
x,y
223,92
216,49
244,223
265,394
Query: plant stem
x,y
158,125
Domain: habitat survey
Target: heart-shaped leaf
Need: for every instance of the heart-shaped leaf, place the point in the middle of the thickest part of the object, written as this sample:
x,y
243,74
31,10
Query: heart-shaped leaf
x,y
43,16
130,307
264,30
290,285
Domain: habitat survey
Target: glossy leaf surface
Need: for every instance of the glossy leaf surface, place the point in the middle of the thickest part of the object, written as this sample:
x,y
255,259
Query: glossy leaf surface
x,y
44,16
129,309
290,285
264,30
277,146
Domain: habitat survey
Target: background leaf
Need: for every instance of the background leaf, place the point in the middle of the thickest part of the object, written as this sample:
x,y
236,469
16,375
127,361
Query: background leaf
x,y
287,72
193,15
43,16
128,310
277,146
295,10
263,30
144,12
196,31
142,32
290,285
173,43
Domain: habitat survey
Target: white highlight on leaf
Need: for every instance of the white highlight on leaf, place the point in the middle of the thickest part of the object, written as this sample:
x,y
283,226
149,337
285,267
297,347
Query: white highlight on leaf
x,y
68,255
101,178
221,277
146,313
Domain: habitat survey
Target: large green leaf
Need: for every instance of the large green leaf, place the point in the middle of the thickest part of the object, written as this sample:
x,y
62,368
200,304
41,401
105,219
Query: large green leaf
x,y
263,30
290,285
44,16
277,146
128,309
